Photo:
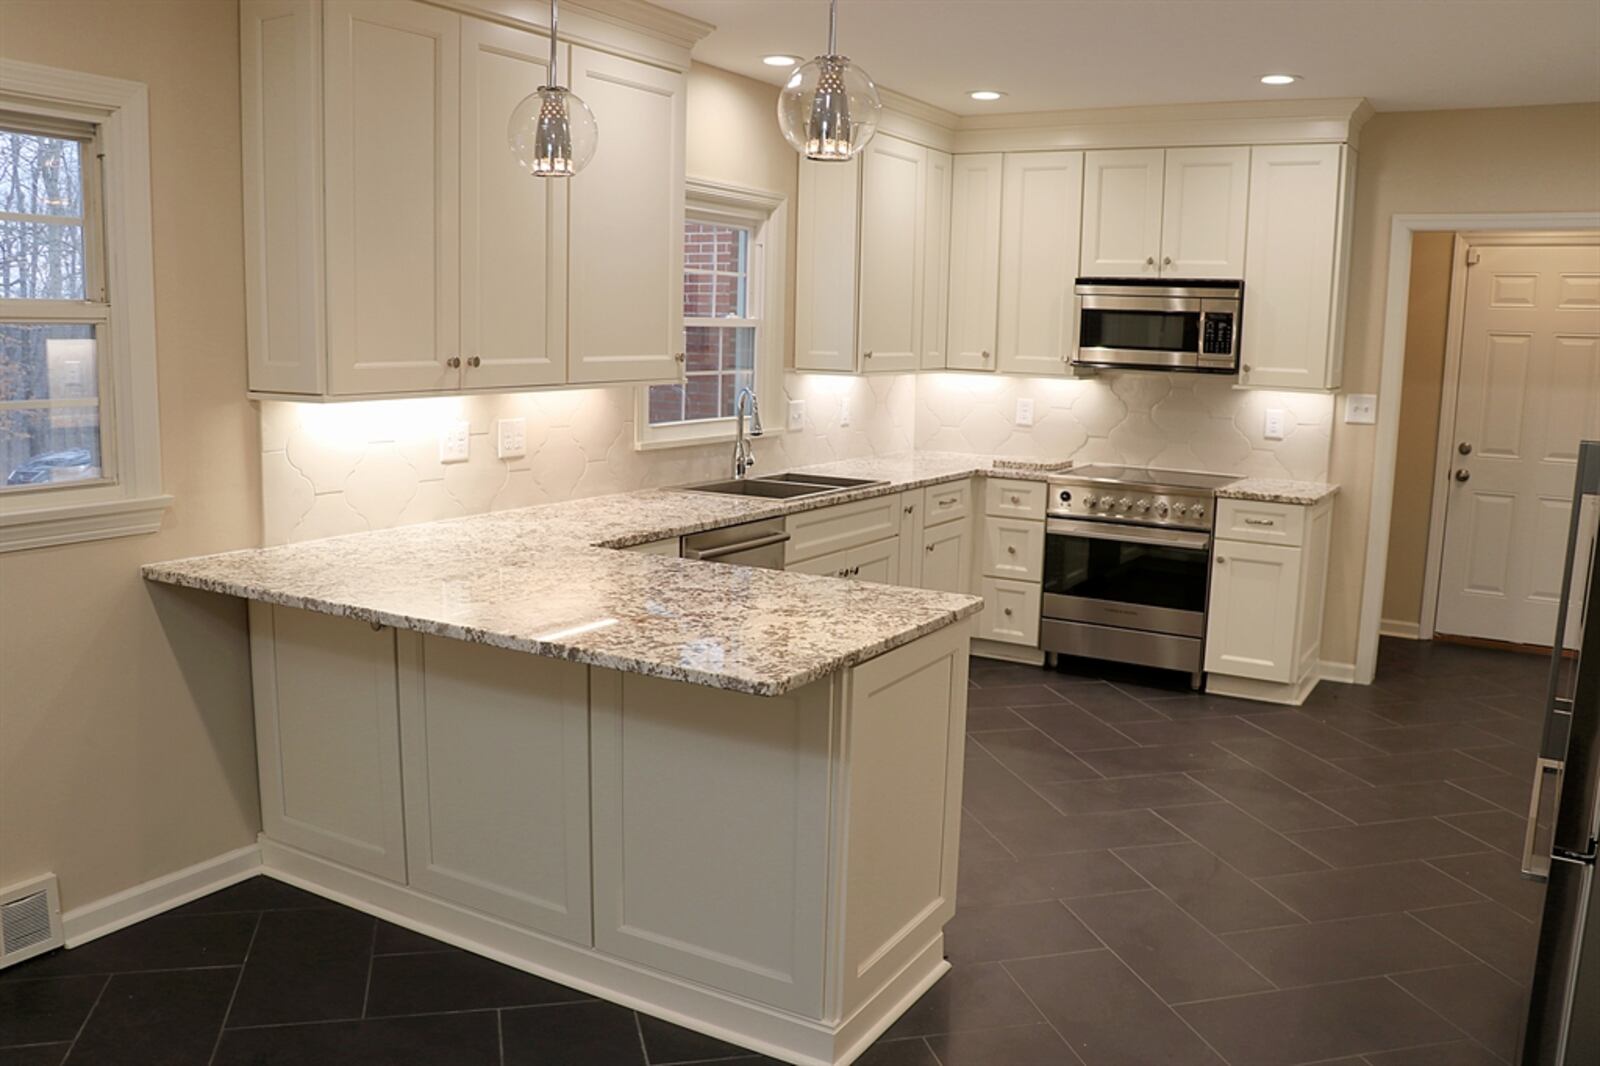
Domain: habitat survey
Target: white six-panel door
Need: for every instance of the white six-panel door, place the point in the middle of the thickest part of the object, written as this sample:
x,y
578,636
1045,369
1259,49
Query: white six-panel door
x,y
1203,212
1122,213
1039,232
974,260
1529,392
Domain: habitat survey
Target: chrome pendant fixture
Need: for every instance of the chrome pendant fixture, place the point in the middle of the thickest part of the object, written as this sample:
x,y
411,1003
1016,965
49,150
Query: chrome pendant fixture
x,y
829,108
553,133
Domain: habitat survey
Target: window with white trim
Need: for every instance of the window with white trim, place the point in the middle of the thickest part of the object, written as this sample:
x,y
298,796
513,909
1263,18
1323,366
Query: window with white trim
x,y
80,443
733,258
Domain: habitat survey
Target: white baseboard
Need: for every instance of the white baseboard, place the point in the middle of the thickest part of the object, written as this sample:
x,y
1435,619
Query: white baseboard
x,y
1391,627
1343,673
1011,653
92,920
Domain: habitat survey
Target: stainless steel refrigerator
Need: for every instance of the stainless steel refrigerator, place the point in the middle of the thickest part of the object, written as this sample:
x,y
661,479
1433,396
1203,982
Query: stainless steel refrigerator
x,y
1563,1026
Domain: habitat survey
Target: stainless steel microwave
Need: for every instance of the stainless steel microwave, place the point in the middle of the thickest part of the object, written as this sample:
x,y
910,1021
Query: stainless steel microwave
x,y
1170,324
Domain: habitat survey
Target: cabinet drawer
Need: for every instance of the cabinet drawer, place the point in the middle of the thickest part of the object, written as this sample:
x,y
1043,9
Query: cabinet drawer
x,y
1012,498
946,503
834,529
1010,611
1263,523
1013,548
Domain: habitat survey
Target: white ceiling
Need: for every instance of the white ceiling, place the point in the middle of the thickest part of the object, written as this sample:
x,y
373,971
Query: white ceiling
x,y
1047,54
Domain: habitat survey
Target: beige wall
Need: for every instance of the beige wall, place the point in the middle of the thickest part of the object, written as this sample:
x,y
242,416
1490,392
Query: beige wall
x,y
128,749
1427,316
1501,160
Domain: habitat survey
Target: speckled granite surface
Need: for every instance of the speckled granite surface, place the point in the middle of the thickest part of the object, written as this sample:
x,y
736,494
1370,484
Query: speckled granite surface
x,y
1273,490
544,580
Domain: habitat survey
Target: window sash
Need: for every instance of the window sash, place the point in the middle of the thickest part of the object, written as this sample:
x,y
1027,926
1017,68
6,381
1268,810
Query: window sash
x,y
91,168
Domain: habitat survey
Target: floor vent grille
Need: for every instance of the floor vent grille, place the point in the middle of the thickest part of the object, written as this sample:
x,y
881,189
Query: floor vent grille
x,y
30,920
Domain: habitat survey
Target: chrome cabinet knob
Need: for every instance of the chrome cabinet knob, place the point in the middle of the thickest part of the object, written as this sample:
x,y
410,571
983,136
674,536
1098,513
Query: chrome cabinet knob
x,y
1463,475
678,357
1008,612
1150,261
474,361
1011,549
910,508
1166,261
985,354
1464,448
454,362
928,548
867,355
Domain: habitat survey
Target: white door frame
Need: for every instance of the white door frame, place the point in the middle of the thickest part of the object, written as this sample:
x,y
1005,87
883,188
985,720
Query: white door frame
x,y
1449,397
1391,367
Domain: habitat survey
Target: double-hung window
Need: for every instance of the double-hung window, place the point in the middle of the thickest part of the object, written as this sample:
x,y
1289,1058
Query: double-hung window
x,y
733,258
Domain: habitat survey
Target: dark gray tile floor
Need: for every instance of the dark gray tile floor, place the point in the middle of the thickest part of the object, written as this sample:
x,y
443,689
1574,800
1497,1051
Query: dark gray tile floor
x,y
1148,876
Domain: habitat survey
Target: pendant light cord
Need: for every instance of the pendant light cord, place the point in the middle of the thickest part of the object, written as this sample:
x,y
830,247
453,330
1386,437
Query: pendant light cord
x,y
833,27
555,15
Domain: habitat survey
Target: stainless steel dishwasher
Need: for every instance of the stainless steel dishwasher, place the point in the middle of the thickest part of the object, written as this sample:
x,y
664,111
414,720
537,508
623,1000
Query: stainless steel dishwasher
x,y
748,544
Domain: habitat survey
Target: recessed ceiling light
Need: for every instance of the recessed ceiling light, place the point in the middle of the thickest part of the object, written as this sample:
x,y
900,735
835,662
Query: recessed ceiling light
x,y
780,61
1279,79
986,94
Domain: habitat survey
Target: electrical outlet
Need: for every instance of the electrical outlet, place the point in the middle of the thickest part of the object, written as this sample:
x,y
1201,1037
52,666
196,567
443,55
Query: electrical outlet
x,y
454,441
1361,409
1272,429
797,415
844,413
1024,412
512,440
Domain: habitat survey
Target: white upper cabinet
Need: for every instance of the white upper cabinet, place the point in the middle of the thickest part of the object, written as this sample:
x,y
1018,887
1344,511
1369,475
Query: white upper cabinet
x,y
974,260
825,266
1296,262
1122,194
392,119
893,180
1039,229
1203,212
626,250
936,261
513,226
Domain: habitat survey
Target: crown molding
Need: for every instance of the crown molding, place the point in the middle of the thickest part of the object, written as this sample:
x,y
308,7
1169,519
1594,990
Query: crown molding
x,y
631,28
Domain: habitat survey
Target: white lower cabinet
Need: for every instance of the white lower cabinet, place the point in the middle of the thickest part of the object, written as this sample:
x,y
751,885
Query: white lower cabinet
x,y
946,557
496,764
877,562
328,737
1010,611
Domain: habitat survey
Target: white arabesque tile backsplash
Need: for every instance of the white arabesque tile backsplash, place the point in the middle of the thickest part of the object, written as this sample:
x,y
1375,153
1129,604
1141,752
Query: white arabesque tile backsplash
x,y
345,467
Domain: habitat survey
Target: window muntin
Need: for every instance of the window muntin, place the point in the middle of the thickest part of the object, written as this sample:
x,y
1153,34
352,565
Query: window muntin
x,y
721,319
54,316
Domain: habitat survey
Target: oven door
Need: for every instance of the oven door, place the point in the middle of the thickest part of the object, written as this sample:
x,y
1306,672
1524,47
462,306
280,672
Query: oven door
x,y
1133,577
1155,332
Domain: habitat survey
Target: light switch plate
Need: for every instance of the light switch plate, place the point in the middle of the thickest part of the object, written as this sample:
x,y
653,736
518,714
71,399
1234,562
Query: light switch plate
x,y
797,415
1024,412
511,442
454,441
844,413
1361,409
1272,425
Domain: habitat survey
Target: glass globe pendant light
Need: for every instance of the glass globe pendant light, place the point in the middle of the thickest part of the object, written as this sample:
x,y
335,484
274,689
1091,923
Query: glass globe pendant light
x,y
829,108
553,133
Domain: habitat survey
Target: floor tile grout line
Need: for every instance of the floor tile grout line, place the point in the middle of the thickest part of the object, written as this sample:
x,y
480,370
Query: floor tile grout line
x,y
372,955
1429,1007
84,1025
118,973
1514,978
935,1055
638,1028
1286,784
1037,1010
222,1027
1263,825
500,1034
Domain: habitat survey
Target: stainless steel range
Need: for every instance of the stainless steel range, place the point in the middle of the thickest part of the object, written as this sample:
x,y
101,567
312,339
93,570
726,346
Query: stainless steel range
x,y
1127,565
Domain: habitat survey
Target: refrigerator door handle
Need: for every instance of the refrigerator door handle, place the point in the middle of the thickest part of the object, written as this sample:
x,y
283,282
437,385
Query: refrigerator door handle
x,y
1536,861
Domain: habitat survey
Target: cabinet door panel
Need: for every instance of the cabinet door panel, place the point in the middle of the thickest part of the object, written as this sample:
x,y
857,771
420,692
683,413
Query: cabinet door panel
x,y
878,562
392,140
947,557
974,261
1250,627
625,253
497,781
513,226
825,266
1038,259
935,260
1290,271
1010,611
328,737
1122,213
1203,219
1013,548
890,292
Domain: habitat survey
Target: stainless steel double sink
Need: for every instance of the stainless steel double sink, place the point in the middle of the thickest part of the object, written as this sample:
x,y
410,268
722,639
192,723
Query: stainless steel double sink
x,y
783,486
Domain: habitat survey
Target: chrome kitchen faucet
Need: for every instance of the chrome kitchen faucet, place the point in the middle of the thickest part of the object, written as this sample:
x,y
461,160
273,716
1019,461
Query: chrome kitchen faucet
x,y
743,456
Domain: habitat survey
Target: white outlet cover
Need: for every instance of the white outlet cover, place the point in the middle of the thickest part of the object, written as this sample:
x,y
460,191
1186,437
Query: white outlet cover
x,y
797,415
454,442
511,440
1272,425
1024,412
844,413
1361,409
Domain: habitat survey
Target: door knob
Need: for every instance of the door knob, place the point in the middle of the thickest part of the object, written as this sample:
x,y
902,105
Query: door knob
x,y
1464,448
1463,475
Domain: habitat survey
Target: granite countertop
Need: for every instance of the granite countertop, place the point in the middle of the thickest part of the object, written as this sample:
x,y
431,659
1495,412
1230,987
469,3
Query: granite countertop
x,y
1275,490
544,580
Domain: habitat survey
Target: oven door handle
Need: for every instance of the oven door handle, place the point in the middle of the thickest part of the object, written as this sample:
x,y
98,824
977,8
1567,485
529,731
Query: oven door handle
x,y
1167,538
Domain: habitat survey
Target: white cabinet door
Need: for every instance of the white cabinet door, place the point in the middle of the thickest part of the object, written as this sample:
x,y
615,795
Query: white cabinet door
x,y
890,291
513,226
1293,267
825,266
1255,595
946,551
935,260
1203,217
974,260
878,562
1043,192
625,251
496,749
392,119
328,737
1010,611
1122,213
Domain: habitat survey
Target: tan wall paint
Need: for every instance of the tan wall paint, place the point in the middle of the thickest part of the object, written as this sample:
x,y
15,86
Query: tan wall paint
x,y
1419,162
125,708
1427,316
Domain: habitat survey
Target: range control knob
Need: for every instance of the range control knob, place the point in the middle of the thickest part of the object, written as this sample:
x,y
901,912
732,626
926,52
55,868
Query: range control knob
x,y
1089,500
1065,496
1198,510
1124,503
1141,505
1161,508
1180,509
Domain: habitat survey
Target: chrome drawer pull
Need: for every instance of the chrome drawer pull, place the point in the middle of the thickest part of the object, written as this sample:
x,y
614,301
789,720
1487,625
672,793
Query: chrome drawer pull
x,y
1260,522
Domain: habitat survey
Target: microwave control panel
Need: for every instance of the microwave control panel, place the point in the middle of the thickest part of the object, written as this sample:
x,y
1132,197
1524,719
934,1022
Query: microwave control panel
x,y
1217,338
